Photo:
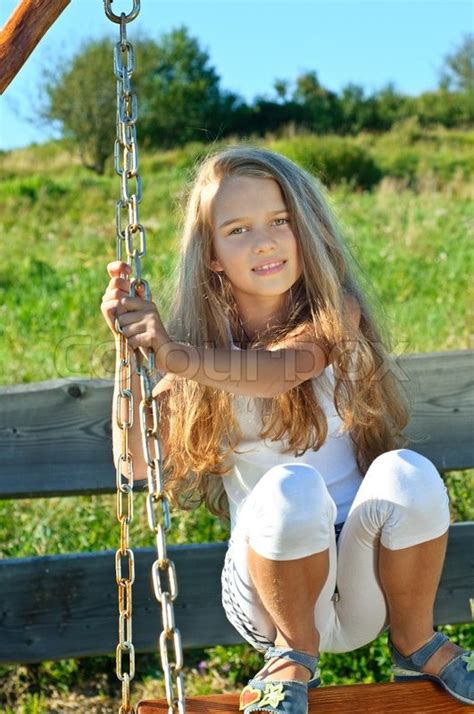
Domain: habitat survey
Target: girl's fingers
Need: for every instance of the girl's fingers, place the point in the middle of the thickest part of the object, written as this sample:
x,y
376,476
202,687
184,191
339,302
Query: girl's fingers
x,y
108,309
116,295
117,267
110,303
124,284
119,287
164,384
124,319
120,283
116,300
127,304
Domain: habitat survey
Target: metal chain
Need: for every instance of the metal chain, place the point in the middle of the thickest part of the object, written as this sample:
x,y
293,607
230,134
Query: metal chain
x,y
129,230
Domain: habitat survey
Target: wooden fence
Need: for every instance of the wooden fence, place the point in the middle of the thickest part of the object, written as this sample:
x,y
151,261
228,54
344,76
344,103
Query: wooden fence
x,y
55,440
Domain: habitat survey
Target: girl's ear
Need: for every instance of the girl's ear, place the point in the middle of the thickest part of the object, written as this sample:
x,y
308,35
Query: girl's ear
x,y
215,265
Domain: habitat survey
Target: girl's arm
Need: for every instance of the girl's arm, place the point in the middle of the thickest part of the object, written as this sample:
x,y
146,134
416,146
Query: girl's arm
x,y
257,373
260,372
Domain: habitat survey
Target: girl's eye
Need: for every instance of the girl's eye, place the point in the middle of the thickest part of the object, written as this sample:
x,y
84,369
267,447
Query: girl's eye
x,y
237,230
281,221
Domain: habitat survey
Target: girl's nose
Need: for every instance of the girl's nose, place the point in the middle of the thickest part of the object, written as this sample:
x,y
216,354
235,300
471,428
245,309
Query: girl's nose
x,y
263,240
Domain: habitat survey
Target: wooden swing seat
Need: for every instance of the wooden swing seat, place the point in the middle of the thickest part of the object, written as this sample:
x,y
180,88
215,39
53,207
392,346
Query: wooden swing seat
x,y
408,697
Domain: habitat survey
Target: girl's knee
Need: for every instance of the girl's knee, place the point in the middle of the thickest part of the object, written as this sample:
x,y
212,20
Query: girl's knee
x,y
292,489
406,459
406,470
292,513
407,464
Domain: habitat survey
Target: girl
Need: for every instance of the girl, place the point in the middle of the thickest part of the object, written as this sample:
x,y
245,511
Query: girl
x,y
280,405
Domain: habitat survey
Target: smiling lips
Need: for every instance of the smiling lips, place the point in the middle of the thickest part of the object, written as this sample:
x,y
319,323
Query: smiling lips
x,y
269,268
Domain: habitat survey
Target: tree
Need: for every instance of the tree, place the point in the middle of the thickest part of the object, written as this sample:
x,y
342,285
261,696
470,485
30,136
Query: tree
x,y
450,109
179,98
80,97
269,116
180,95
391,106
321,106
281,88
357,111
457,74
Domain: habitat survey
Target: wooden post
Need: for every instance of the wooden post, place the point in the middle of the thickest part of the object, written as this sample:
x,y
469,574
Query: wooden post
x,y
22,32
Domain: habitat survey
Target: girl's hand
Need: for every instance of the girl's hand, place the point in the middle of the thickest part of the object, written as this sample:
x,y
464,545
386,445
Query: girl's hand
x,y
138,318
164,384
142,326
115,291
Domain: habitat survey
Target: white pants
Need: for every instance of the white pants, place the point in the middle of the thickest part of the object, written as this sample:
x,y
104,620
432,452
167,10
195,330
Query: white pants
x,y
401,502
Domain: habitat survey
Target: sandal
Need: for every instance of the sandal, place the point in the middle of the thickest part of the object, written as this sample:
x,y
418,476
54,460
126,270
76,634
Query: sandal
x,y
281,696
457,676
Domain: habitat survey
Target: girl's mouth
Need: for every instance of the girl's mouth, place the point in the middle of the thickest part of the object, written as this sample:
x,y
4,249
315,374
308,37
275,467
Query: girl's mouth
x,y
271,268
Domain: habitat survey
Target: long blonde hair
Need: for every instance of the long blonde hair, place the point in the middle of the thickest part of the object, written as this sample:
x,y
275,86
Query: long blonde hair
x,y
200,424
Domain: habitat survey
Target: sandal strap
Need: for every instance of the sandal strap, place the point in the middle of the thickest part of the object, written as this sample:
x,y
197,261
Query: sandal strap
x,y
306,660
422,655
467,657
279,696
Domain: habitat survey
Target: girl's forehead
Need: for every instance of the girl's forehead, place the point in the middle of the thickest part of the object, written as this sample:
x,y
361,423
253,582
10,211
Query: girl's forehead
x,y
234,190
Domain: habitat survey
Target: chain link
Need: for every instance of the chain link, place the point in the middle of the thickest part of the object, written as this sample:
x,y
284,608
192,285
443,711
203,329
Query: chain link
x,y
159,521
118,18
131,236
124,484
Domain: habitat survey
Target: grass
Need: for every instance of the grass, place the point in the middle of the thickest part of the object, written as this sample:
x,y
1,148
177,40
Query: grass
x,y
412,237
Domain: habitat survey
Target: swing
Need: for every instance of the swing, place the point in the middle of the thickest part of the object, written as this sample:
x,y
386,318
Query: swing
x,y
375,698
329,700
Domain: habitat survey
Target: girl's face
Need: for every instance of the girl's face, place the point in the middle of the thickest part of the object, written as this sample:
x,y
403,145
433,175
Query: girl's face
x,y
251,229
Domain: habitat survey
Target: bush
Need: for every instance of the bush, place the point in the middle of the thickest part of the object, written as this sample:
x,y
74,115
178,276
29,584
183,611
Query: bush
x,y
418,157
181,158
404,153
444,166
32,188
333,160
402,163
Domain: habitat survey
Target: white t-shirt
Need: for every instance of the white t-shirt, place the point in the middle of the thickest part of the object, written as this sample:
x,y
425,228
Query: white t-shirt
x,y
253,456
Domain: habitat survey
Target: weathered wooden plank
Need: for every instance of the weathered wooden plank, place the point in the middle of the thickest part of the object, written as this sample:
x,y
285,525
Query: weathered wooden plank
x,y
66,606
441,387
55,436
24,29
389,698
455,596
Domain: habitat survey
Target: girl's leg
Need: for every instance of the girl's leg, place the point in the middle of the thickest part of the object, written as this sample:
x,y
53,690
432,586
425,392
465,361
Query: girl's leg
x,y
282,557
410,575
288,590
400,510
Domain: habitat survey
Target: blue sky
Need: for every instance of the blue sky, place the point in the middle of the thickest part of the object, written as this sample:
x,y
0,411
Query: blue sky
x,y
253,42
